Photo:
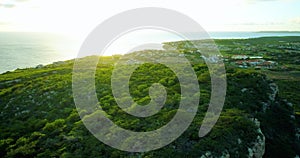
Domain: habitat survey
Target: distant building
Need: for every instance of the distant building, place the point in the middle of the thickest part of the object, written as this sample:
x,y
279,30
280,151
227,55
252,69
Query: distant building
x,y
212,58
267,64
240,62
239,57
255,57
254,62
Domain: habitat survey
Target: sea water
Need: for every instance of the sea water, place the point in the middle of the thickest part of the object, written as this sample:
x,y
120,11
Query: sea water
x,y
22,50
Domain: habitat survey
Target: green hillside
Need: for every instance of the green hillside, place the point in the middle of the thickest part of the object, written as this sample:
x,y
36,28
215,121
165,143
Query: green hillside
x,y
38,117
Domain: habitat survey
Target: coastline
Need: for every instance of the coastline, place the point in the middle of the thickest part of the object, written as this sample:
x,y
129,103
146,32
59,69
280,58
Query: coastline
x,y
216,39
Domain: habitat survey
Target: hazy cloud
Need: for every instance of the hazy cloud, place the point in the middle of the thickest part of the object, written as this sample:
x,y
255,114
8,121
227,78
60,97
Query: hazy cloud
x,y
259,24
11,3
3,23
295,20
7,5
22,0
263,0
258,1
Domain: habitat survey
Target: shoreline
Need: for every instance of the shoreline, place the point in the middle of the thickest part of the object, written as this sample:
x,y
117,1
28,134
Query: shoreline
x,y
215,39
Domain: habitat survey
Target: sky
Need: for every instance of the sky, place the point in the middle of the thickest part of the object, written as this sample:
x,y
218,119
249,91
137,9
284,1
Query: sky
x,y
79,17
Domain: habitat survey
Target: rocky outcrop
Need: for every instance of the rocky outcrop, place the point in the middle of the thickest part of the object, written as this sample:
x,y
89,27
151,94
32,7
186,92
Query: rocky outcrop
x,y
274,91
297,135
271,96
208,154
258,148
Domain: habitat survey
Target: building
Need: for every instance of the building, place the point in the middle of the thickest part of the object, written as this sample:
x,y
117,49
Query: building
x,y
239,57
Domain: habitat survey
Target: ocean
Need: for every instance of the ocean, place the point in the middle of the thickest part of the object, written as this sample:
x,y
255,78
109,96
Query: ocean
x,y
23,50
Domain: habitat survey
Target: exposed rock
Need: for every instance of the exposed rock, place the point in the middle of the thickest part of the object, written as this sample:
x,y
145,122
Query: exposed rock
x,y
58,63
274,89
265,106
225,155
298,134
250,151
244,90
207,155
13,81
25,111
258,148
39,66
293,117
239,141
272,96
290,104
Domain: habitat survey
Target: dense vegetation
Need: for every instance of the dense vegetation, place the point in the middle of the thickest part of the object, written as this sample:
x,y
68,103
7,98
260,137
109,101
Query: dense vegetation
x,y
38,116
